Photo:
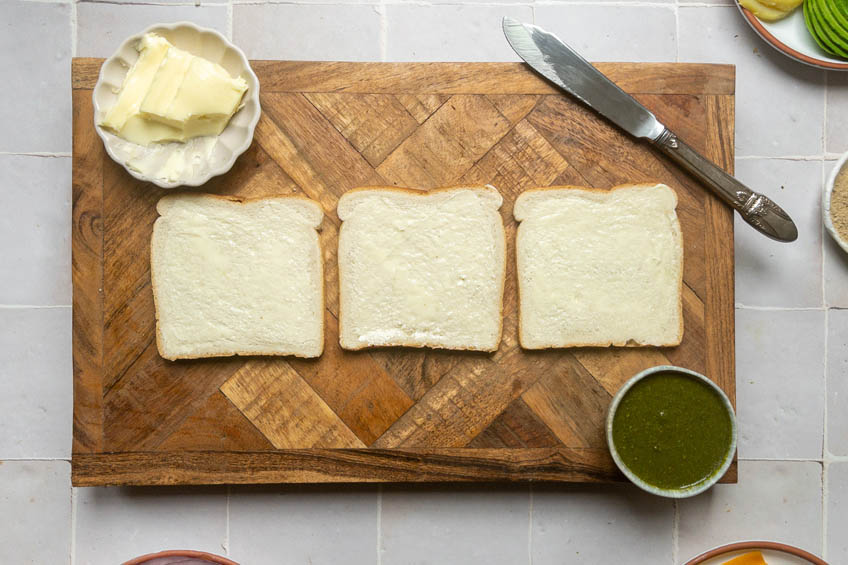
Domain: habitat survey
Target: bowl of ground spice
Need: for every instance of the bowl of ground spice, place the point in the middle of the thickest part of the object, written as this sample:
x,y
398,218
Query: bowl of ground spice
x,y
835,203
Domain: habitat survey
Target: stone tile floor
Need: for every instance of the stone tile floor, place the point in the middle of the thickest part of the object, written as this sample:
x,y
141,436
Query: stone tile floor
x,y
792,336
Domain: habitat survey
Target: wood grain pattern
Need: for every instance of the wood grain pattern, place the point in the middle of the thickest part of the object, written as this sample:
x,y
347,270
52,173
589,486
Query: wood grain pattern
x,y
217,425
428,79
345,466
438,152
87,277
390,414
284,408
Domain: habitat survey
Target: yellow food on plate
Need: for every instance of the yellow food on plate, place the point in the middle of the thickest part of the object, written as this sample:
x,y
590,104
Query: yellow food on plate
x,y
750,558
172,95
763,11
782,5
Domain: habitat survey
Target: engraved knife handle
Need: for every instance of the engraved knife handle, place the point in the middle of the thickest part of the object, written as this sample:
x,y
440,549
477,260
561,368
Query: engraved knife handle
x,y
758,210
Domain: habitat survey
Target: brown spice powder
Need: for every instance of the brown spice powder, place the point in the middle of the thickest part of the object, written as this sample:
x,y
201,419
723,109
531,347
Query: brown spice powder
x,y
839,204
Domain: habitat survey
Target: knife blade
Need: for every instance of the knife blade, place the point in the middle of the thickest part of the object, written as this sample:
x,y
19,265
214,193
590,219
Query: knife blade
x,y
560,64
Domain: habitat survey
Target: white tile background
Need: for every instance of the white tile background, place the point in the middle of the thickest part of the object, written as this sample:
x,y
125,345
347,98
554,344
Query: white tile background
x,y
792,334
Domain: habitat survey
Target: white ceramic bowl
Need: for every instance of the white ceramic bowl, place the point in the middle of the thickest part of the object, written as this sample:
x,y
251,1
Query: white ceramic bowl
x,y
670,493
828,192
209,156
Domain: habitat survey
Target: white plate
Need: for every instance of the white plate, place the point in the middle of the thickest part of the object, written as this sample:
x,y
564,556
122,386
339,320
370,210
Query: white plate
x,y
207,156
791,37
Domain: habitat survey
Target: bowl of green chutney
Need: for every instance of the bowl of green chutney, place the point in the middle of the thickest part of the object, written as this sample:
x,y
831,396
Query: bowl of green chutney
x,y
671,431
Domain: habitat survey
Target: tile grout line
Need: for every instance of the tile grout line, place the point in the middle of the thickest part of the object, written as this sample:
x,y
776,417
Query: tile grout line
x,y
230,19
73,30
824,422
677,32
34,459
379,522
818,157
32,306
740,306
74,503
227,524
613,3
827,458
825,472
821,223
183,3
384,31
530,521
784,459
825,450
490,4
60,154
675,531
824,114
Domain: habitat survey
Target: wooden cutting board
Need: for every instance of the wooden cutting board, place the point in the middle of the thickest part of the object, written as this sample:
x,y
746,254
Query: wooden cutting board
x,y
393,414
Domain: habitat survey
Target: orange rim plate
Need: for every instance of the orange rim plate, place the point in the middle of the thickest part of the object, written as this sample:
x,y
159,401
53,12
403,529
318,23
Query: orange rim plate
x,y
725,551
790,37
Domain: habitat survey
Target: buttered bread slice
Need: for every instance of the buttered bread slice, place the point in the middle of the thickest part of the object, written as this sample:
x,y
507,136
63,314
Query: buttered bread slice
x,y
237,277
421,269
599,267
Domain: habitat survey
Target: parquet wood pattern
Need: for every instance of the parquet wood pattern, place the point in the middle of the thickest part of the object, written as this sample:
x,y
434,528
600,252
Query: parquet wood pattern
x,y
391,414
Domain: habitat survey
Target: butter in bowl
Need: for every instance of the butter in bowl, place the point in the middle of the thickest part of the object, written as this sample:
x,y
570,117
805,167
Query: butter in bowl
x,y
671,431
176,105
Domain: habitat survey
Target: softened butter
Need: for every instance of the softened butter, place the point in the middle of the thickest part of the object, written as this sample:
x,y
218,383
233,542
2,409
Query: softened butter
x,y
172,95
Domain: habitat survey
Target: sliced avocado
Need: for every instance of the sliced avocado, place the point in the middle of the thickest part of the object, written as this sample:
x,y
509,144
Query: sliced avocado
x,y
831,37
839,20
812,27
841,6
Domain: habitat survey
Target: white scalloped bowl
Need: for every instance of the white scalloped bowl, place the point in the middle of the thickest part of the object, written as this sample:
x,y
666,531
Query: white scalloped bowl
x,y
826,197
209,156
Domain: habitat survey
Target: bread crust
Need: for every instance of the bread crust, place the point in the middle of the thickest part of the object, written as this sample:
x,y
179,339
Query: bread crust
x,y
425,193
239,200
629,343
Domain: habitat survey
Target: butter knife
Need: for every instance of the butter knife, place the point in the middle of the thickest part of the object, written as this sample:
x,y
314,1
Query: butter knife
x,y
561,65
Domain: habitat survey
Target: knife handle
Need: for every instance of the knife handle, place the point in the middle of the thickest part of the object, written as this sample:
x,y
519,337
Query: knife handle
x,y
758,210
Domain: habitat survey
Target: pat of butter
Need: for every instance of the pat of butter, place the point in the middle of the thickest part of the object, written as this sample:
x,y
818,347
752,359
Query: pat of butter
x,y
172,95
203,101
169,77
152,50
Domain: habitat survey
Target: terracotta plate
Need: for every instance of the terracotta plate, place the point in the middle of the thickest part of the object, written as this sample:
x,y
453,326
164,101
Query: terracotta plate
x,y
773,552
790,37
174,554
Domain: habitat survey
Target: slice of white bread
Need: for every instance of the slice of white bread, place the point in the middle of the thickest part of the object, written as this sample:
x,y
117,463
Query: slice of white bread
x,y
237,277
421,269
599,267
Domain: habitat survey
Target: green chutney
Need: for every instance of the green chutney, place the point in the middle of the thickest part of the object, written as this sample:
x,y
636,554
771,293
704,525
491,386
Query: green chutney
x,y
672,431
